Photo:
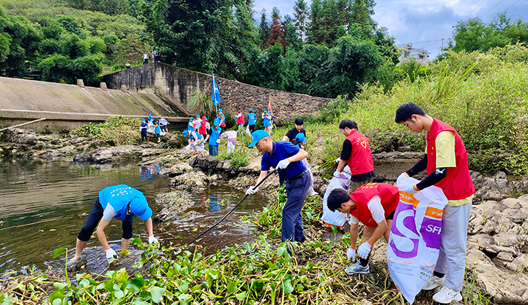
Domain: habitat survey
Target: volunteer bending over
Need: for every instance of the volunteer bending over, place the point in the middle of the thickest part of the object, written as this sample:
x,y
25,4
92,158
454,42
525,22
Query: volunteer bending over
x,y
373,204
286,158
120,202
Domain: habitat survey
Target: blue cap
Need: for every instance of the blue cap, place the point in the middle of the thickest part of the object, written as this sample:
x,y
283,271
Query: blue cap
x,y
185,133
156,122
265,111
216,122
150,115
257,135
191,118
219,110
197,115
142,120
250,110
140,208
300,137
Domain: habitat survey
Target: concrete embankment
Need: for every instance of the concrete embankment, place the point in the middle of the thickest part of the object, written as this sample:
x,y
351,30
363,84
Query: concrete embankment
x,y
66,107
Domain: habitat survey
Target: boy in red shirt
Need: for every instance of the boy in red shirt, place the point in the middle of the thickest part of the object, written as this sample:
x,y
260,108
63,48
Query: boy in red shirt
x,y
373,204
446,163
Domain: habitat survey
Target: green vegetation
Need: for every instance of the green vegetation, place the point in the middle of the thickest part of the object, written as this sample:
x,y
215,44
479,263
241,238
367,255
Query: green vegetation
x,y
116,131
69,39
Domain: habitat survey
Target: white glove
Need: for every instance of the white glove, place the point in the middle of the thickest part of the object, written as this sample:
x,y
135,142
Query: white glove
x,y
110,253
410,189
364,250
337,174
218,141
283,163
338,159
251,190
153,239
351,253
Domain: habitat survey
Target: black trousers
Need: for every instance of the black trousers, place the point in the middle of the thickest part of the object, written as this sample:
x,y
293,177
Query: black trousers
x,y
93,219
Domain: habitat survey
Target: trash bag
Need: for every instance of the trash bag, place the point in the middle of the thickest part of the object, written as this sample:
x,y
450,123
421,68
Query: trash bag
x,y
415,237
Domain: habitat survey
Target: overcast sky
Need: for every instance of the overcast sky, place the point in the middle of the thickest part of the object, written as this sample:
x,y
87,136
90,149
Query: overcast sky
x,y
422,22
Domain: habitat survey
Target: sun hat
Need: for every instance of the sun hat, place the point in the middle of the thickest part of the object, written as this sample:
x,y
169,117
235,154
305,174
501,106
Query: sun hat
x,y
257,136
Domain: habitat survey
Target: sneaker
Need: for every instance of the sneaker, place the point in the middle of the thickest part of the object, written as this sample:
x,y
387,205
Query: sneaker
x,y
356,268
433,282
447,295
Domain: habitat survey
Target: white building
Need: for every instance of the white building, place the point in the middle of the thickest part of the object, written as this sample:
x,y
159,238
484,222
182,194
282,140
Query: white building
x,y
408,52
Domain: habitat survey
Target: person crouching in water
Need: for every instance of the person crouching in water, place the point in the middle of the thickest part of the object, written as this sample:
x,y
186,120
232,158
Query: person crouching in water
x,y
373,204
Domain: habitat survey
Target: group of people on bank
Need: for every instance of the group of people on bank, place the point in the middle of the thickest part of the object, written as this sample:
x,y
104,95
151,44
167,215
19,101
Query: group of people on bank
x,y
372,204
156,127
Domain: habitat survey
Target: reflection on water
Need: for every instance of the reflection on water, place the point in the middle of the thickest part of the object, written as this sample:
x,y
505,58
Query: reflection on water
x,y
44,205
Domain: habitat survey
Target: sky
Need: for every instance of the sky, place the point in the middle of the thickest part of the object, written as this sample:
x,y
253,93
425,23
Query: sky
x,y
422,22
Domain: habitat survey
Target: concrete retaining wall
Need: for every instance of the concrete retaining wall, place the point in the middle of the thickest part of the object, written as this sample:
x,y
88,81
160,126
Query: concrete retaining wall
x,y
177,85
66,107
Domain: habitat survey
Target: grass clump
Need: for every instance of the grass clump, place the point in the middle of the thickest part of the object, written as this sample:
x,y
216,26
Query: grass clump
x,y
118,130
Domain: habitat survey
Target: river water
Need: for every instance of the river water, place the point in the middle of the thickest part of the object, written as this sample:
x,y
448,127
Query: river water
x,y
43,205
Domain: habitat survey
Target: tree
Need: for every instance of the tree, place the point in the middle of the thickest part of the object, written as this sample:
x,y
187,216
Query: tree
x,y
264,31
276,27
301,16
361,12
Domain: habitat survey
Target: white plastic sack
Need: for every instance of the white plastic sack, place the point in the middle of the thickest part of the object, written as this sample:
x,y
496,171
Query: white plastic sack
x,y
336,218
415,237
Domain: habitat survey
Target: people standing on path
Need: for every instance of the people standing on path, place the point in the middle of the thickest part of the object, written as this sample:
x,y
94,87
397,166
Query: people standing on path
x,y
114,202
266,121
292,133
214,138
252,121
157,131
231,140
221,118
356,153
286,158
240,120
374,205
446,163
143,129
145,58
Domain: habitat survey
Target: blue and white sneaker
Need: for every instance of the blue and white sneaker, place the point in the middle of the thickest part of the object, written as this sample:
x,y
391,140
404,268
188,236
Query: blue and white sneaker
x,y
356,268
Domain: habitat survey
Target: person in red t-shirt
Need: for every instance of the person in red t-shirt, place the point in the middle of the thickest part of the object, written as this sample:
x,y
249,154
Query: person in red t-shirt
x,y
356,154
373,204
203,126
240,120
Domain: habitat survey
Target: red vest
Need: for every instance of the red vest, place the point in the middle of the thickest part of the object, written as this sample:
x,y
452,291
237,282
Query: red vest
x,y
240,119
203,128
360,161
457,184
390,197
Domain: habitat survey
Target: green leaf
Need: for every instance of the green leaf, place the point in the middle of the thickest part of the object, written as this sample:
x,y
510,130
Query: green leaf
x,y
119,294
231,287
157,294
59,286
134,284
288,287
58,252
241,296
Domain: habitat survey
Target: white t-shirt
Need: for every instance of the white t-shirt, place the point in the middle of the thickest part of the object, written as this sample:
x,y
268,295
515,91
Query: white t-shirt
x,y
375,208
109,213
230,134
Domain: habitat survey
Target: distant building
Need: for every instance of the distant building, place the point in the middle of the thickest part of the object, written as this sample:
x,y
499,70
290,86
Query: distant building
x,y
409,52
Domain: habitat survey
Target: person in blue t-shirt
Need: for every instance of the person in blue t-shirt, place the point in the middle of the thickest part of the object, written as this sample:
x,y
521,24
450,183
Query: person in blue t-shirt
x,y
114,202
221,119
196,141
157,131
214,138
252,121
143,129
287,159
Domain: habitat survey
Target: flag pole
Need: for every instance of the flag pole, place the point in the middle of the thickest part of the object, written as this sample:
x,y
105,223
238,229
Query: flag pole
x,y
214,98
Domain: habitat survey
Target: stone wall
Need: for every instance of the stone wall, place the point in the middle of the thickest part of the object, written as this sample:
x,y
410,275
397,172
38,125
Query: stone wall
x,y
177,84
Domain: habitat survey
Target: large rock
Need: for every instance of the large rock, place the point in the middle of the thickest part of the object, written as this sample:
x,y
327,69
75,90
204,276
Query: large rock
x,y
19,136
177,169
204,162
173,204
193,182
111,154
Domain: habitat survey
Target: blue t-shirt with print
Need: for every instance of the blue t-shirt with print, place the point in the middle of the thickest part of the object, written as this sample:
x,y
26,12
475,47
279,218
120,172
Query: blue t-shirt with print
x,y
215,135
281,151
251,119
119,196
190,126
144,127
158,129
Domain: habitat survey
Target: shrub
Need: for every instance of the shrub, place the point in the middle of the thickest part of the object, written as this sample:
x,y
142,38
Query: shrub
x,y
118,130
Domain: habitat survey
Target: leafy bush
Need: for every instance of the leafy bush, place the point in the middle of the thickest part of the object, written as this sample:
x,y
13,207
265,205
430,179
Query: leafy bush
x,y
118,130
239,158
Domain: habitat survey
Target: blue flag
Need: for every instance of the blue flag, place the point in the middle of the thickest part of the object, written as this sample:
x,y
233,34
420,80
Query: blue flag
x,y
216,93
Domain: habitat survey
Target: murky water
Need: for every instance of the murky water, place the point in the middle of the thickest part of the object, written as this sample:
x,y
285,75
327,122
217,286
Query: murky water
x,y
43,207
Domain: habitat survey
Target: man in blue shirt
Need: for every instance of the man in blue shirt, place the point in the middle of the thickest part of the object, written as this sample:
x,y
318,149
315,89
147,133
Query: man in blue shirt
x,y
119,202
214,138
252,120
143,129
286,158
